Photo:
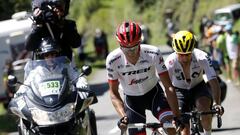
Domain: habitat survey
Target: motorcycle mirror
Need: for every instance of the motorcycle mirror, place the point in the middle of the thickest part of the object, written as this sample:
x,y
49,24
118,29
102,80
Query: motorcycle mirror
x,y
86,70
12,80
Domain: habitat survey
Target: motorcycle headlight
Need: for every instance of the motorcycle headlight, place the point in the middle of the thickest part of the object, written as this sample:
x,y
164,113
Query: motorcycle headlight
x,y
64,114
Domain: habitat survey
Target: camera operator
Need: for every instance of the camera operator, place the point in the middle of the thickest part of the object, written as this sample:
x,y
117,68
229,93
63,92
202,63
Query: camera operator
x,y
49,20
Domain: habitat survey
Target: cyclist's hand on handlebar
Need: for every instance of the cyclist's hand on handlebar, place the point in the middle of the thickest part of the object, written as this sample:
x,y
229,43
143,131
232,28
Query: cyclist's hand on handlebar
x,y
219,109
122,123
179,123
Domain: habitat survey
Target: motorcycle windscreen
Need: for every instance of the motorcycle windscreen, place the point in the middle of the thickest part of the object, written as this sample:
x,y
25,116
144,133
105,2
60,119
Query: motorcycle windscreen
x,y
49,80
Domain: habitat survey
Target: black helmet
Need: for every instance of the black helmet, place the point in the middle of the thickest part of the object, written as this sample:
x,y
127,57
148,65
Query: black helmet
x,y
48,45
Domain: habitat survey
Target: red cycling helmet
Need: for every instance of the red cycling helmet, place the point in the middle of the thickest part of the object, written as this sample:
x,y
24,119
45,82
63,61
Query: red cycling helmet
x,y
128,34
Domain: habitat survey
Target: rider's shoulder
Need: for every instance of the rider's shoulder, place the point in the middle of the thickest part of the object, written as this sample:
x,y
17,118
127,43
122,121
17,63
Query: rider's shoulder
x,y
114,56
150,49
200,54
170,60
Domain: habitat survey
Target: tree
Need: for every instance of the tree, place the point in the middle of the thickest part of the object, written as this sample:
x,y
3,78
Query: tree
x,y
8,7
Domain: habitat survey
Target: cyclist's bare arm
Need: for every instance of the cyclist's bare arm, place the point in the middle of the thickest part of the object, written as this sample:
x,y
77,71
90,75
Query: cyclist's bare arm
x,y
215,90
116,98
170,93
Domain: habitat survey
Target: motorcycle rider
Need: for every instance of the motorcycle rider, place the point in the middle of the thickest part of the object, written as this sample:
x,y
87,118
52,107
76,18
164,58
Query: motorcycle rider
x,y
49,50
49,21
186,67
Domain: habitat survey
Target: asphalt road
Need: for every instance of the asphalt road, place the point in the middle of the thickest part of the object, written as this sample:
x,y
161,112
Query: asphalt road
x,y
107,116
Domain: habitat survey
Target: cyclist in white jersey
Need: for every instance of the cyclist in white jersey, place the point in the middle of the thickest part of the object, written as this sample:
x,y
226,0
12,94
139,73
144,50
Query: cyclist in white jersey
x,y
186,67
137,68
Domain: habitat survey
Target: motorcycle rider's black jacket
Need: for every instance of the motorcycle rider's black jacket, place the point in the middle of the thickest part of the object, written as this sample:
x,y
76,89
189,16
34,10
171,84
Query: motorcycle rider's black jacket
x,y
65,32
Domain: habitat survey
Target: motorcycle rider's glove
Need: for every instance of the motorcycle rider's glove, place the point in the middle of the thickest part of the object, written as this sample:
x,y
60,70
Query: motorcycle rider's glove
x,y
82,83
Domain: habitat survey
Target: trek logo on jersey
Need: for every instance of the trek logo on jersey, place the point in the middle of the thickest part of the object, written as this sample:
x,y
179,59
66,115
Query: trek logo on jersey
x,y
136,71
134,81
111,61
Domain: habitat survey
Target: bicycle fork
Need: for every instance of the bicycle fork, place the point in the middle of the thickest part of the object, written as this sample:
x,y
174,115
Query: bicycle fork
x,y
194,125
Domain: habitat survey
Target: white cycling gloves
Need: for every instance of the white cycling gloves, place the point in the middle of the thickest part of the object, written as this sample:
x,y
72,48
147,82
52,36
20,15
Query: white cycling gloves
x,y
82,83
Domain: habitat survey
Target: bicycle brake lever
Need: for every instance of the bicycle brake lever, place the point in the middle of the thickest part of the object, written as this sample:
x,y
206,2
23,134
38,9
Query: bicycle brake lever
x,y
219,121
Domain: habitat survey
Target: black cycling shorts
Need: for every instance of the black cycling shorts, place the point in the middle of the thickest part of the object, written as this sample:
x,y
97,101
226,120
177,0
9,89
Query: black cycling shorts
x,y
155,101
187,98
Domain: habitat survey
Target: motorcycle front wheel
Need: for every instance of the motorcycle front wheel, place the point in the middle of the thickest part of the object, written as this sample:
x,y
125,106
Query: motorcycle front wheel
x,y
22,129
88,125
92,121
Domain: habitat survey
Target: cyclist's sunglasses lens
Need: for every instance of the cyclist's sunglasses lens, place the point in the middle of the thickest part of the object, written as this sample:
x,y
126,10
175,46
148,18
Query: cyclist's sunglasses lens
x,y
132,49
186,55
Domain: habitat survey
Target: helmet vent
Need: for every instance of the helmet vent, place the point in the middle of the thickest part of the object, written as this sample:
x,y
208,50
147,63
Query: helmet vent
x,y
184,37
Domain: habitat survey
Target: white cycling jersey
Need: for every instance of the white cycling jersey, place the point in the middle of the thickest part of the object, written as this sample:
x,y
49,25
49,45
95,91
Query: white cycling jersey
x,y
140,78
200,63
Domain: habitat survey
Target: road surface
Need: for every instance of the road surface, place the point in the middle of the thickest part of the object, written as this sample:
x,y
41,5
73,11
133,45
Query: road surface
x,y
107,116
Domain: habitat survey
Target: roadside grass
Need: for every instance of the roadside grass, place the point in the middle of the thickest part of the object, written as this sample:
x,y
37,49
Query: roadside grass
x,y
7,122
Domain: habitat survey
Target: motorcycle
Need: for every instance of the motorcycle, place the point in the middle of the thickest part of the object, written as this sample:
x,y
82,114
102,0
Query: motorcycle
x,y
52,104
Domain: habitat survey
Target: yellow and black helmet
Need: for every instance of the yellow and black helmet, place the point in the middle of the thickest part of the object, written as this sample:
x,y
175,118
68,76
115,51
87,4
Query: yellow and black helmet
x,y
183,42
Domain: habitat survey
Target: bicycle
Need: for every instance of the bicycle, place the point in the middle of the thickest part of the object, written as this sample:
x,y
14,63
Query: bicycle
x,y
195,124
157,128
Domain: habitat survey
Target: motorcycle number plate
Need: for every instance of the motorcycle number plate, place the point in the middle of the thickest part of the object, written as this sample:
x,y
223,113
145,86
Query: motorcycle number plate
x,y
49,88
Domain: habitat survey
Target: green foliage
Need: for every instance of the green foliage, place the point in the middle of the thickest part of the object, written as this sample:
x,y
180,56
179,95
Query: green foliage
x,y
5,13
108,14
8,7
7,121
